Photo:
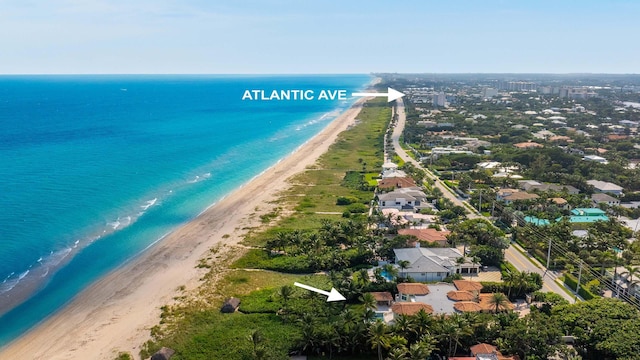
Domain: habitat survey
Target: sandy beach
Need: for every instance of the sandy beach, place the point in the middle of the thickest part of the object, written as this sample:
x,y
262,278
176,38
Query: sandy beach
x,y
116,313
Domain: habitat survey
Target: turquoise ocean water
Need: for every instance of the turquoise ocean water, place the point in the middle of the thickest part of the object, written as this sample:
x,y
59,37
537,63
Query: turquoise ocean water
x,y
95,169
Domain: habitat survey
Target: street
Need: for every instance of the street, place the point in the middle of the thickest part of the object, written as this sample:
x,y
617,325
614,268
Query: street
x,y
517,259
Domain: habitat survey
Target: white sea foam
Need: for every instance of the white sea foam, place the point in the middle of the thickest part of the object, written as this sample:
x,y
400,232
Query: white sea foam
x,y
149,204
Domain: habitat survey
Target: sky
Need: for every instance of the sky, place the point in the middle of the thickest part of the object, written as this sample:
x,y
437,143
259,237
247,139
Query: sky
x,y
322,36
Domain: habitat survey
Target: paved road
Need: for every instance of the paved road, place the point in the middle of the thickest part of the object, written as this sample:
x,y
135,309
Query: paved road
x,y
521,262
395,137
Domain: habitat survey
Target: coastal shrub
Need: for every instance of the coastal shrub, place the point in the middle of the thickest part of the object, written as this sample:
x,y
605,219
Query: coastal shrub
x,y
208,334
305,203
260,301
346,200
358,208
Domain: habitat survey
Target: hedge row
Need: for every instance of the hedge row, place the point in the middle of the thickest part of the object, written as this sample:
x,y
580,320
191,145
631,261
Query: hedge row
x,y
572,282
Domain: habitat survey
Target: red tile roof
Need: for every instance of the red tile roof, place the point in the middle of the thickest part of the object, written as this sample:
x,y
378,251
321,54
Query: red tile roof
x,y
410,308
430,235
413,289
467,306
461,295
467,285
483,348
398,182
382,296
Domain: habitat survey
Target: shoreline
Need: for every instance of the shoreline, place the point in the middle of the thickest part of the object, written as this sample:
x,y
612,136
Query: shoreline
x,y
113,314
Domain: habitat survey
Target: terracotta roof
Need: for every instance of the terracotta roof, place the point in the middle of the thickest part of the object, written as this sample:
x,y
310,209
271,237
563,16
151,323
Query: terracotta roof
x,y
615,137
461,295
520,196
467,285
559,201
413,289
382,296
410,308
462,358
559,138
483,348
396,182
527,145
430,235
485,302
467,306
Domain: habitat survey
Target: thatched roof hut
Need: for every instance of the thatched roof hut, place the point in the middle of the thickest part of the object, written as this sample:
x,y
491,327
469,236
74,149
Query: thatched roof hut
x,y
163,354
230,305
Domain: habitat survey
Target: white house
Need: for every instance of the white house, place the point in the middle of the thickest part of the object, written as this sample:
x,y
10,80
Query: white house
x,y
601,198
433,264
595,158
409,198
605,187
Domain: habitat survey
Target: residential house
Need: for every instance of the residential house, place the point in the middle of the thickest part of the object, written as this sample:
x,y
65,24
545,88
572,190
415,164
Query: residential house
x,y
560,202
409,198
528,145
384,300
595,158
601,198
532,185
396,182
434,264
510,196
605,187
429,235
586,215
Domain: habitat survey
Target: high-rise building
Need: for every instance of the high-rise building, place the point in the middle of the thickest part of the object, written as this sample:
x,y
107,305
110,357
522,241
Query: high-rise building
x,y
439,99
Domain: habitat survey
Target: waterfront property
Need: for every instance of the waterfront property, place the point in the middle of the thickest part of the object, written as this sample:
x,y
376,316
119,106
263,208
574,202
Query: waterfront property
x,y
434,264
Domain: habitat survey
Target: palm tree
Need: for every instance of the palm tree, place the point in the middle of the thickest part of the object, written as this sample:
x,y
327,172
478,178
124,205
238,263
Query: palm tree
x,y
256,339
285,293
403,265
420,350
398,353
379,337
498,301
630,271
391,271
406,326
368,301
508,278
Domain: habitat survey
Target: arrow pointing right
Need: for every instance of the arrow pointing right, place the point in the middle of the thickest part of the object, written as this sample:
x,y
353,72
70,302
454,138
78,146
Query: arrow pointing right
x,y
391,94
333,295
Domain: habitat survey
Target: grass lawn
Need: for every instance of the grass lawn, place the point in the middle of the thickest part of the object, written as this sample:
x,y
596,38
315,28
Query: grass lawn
x,y
315,191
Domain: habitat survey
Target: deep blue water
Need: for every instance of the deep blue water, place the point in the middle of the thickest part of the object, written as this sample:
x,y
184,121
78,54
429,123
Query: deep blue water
x,y
95,169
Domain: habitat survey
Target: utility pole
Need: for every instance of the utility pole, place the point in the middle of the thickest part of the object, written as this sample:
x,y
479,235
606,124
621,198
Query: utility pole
x,y
579,278
548,258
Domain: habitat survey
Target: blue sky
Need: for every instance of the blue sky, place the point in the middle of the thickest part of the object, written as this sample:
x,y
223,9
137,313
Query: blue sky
x,y
287,36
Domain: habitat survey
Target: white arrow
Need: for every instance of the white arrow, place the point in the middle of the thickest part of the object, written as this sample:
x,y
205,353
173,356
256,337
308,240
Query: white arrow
x,y
333,295
390,94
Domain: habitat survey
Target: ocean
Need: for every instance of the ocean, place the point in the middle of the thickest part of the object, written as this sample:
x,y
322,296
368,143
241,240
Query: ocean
x,y
96,169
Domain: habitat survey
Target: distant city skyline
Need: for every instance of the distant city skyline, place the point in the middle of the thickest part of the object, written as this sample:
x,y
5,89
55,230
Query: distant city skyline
x,y
289,37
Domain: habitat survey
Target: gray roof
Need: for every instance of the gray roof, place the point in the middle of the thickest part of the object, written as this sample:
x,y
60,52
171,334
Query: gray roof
x,y
427,260
604,186
601,197
409,193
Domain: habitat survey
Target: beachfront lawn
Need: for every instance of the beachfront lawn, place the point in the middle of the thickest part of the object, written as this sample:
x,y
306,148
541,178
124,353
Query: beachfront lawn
x,y
313,195
197,333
